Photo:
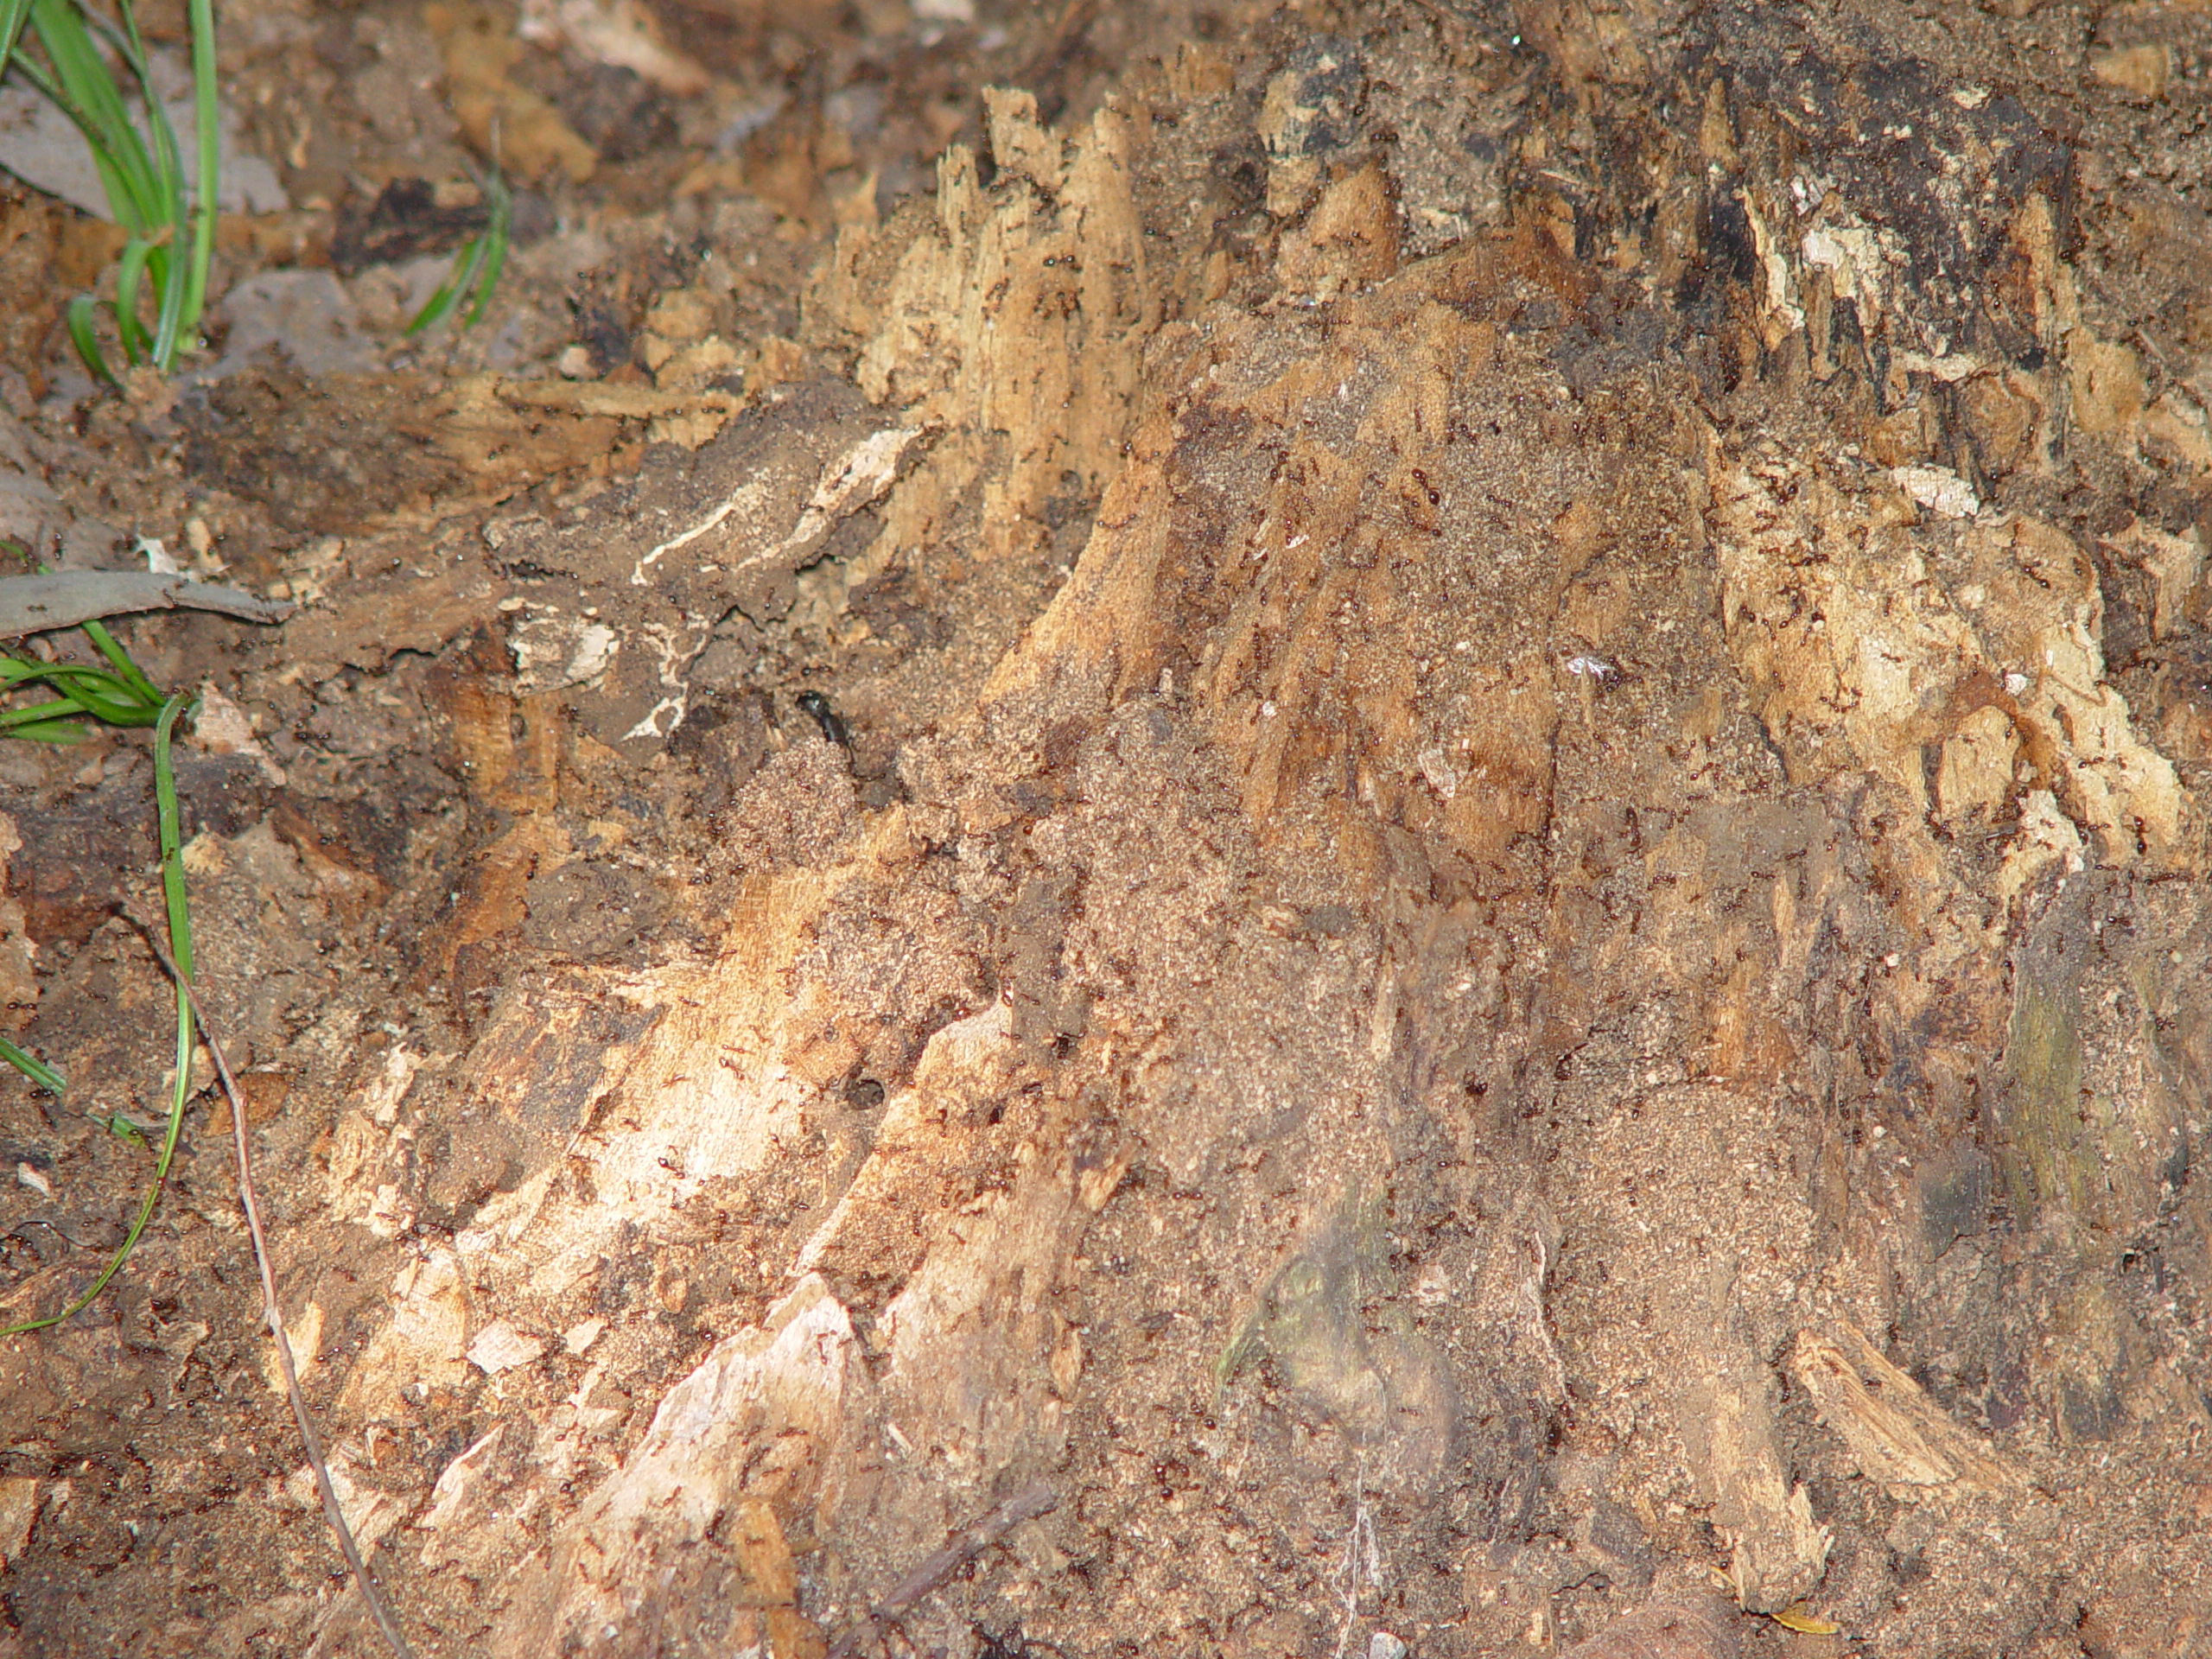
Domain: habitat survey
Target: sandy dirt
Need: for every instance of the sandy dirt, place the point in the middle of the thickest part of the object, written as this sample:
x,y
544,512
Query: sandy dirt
x,y
1401,806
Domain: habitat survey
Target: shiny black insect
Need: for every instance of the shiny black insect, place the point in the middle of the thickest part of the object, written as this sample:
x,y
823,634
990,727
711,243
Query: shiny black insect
x,y
816,708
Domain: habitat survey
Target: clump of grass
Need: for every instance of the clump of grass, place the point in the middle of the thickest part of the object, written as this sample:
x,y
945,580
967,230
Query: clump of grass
x,y
119,694
169,232
476,269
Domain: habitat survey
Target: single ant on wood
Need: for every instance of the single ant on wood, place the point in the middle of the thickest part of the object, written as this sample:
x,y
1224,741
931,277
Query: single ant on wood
x,y
816,708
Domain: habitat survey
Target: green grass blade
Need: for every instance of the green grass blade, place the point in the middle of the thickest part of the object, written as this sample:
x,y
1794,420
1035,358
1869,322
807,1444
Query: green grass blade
x,y
39,713
495,241
34,1068
14,14
442,299
114,1266
171,228
206,124
95,103
476,269
44,721
105,98
130,43
86,339
119,694
168,274
41,731
90,691
127,670
110,165
130,332
165,258
172,843
15,671
168,264
93,704
179,1097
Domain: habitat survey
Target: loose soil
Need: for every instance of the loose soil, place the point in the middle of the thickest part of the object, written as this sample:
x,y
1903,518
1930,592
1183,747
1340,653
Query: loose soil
x,y
1416,790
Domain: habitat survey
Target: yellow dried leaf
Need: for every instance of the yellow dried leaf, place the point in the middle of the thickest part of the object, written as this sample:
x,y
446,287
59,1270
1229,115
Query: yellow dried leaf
x,y
1796,1617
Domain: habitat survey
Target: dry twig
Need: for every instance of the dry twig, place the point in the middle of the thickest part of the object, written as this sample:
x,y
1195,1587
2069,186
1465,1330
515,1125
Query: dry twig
x,y
1027,1505
64,599
274,1314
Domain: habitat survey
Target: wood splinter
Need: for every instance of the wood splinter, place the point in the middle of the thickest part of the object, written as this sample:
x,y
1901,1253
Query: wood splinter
x,y
1032,1501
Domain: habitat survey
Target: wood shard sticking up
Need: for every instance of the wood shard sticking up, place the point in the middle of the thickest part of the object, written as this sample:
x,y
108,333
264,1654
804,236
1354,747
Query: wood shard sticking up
x,y
460,1482
1778,1551
1896,1434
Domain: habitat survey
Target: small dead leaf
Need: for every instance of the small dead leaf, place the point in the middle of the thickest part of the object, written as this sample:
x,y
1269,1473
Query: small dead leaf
x,y
1796,1616
266,1093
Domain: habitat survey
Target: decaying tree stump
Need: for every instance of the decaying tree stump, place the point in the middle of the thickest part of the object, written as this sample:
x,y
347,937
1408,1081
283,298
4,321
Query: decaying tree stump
x,y
1559,963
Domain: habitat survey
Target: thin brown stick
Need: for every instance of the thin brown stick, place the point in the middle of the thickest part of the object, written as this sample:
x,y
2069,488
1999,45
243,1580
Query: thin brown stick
x,y
1026,1504
273,1313
63,599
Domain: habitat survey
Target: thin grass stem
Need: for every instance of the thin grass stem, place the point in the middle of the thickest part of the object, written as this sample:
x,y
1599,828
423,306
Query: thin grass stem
x,y
129,672
207,126
272,1313
180,943
476,269
34,1068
